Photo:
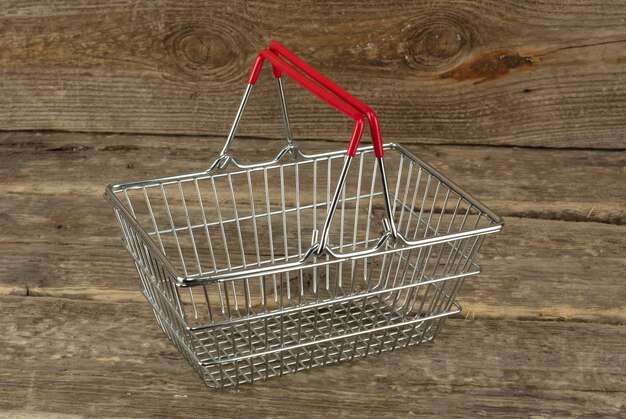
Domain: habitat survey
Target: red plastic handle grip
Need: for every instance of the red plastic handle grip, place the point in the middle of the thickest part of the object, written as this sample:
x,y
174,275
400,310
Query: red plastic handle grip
x,y
369,113
281,66
329,85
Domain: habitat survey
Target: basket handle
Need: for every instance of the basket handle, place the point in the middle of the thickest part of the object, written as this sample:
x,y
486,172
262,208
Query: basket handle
x,y
312,83
280,66
284,61
372,117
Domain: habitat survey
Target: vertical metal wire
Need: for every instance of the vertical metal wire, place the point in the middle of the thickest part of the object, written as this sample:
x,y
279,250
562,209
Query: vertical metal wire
x,y
171,220
441,214
283,107
284,216
369,219
454,246
399,179
237,223
328,187
152,218
369,207
339,279
406,232
254,216
130,204
415,194
299,234
406,193
356,205
269,226
315,269
189,228
206,225
463,252
460,281
218,211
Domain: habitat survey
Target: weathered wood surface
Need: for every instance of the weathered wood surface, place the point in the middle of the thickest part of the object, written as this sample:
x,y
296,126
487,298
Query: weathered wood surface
x,y
520,182
572,271
80,339
74,250
524,73
75,318
68,357
153,87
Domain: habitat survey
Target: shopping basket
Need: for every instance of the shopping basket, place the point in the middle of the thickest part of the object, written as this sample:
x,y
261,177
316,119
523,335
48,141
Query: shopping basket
x,y
255,271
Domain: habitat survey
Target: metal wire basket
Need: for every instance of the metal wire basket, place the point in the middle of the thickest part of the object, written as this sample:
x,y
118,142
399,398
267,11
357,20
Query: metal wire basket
x,y
243,284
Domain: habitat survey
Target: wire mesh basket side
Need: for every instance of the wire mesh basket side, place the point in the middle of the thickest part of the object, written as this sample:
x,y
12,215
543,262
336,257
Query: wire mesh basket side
x,y
400,305
220,302
246,219
158,284
258,328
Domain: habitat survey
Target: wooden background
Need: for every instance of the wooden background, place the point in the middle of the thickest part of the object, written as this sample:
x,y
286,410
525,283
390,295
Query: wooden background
x,y
523,103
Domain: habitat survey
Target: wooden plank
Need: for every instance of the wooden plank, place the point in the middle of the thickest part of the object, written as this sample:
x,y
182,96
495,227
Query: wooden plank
x,y
550,269
62,356
522,73
76,271
517,182
533,269
59,238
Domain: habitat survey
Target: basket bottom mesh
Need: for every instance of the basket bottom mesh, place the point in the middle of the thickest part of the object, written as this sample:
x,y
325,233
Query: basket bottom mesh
x,y
310,338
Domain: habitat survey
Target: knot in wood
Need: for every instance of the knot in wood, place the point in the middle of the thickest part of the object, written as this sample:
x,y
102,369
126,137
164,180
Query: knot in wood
x,y
198,52
436,44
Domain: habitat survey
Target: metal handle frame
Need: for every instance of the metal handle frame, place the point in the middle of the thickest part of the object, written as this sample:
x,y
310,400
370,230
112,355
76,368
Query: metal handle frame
x,y
331,93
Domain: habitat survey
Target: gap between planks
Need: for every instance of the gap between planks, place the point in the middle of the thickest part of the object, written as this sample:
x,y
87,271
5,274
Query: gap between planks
x,y
246,137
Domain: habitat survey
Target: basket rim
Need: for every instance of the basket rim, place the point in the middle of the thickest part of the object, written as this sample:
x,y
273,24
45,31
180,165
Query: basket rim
x,y
111,191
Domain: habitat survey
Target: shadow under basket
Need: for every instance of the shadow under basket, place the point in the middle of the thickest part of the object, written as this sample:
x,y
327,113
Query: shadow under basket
x,y
234,269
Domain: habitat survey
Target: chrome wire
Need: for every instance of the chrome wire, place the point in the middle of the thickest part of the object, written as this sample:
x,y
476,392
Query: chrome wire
x,y
251,276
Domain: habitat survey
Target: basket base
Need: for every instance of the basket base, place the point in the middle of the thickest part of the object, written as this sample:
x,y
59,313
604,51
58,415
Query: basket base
x,y
258,349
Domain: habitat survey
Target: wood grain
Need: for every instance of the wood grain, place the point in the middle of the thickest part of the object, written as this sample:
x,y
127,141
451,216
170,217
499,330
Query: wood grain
x,y
63,356
534,269
81,340
545,263
522,103
518,182
506,73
